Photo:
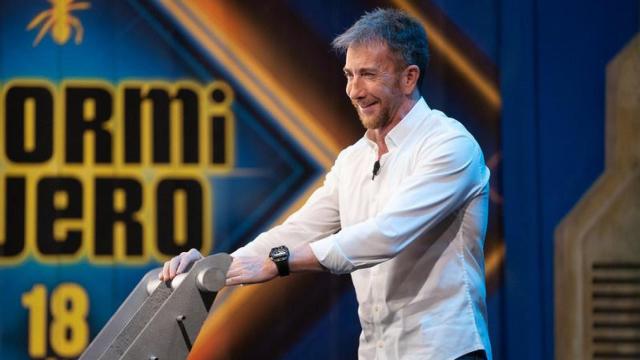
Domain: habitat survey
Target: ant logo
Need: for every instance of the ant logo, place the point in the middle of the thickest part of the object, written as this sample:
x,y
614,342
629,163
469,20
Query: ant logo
x,y
60,19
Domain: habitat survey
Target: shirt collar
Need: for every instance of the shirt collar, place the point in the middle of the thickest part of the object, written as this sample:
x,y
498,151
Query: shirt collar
x,y
405,127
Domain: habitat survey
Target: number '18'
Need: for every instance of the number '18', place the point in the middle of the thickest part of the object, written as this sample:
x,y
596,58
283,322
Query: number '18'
x,y
68,330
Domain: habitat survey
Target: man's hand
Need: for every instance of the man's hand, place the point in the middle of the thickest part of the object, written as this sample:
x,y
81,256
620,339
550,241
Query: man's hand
x,y
179,264
251,270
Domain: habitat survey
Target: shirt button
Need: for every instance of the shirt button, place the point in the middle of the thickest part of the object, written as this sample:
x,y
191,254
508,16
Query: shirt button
x,y
376,308
380,344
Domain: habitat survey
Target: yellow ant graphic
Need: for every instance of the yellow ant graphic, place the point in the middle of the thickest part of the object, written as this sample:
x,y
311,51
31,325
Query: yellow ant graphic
x,y
59,16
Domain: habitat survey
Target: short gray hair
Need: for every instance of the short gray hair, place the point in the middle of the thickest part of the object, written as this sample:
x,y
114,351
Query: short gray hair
x,y
404,36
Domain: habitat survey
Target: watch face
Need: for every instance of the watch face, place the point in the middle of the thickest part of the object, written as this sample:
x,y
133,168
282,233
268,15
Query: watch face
x,y
279,252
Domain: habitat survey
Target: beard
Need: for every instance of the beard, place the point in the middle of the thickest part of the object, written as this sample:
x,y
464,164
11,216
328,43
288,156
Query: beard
x,y
374,121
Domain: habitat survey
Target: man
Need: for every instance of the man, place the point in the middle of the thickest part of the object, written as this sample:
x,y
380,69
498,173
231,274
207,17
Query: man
x,y
403,210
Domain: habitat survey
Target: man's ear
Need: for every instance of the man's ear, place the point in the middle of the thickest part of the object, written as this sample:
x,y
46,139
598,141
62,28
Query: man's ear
x,y
410,79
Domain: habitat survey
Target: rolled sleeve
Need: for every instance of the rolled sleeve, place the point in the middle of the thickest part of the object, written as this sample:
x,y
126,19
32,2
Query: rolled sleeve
x,y
331,256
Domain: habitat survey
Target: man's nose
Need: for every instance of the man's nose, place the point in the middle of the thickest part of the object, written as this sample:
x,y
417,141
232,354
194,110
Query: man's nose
x,y
355,90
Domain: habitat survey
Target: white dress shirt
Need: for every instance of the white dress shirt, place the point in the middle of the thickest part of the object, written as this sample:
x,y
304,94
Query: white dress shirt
x,y
412,238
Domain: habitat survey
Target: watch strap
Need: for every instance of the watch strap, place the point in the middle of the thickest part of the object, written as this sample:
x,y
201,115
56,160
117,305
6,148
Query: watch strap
x,y
283,267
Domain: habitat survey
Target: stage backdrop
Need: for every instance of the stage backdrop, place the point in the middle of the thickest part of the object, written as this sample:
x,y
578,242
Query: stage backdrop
x,y
131,131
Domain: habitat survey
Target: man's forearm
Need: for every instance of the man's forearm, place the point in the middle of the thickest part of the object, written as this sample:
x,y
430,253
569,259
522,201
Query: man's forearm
x,y
302,259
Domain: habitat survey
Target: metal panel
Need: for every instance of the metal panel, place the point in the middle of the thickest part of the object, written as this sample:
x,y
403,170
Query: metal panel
x,y
162,320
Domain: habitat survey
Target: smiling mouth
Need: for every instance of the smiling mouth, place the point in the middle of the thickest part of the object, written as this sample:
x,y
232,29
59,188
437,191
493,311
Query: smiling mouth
x,y
366,106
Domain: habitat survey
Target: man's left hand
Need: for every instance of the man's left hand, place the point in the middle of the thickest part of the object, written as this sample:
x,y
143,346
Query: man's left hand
x,y
251,270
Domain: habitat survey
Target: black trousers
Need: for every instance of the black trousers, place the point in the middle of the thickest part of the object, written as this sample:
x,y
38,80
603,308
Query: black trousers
x,y
475,355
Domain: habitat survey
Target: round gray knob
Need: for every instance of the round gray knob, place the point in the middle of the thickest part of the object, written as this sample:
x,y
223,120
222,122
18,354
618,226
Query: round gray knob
x,y
152,285
177,280
210,280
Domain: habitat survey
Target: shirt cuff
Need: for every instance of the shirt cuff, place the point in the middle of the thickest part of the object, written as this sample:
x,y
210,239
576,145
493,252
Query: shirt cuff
x,y
330,255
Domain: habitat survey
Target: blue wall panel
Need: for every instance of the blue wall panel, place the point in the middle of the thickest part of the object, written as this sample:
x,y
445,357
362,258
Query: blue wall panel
x,y
553,59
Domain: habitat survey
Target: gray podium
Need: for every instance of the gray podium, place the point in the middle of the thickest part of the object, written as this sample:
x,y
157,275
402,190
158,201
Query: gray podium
x,y
161,320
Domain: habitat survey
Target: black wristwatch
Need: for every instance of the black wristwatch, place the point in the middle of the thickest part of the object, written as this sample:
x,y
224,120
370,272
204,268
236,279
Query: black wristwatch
x,y
280,256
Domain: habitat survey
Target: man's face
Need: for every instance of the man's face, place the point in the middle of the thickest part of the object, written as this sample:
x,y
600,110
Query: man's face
x,y
373,84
